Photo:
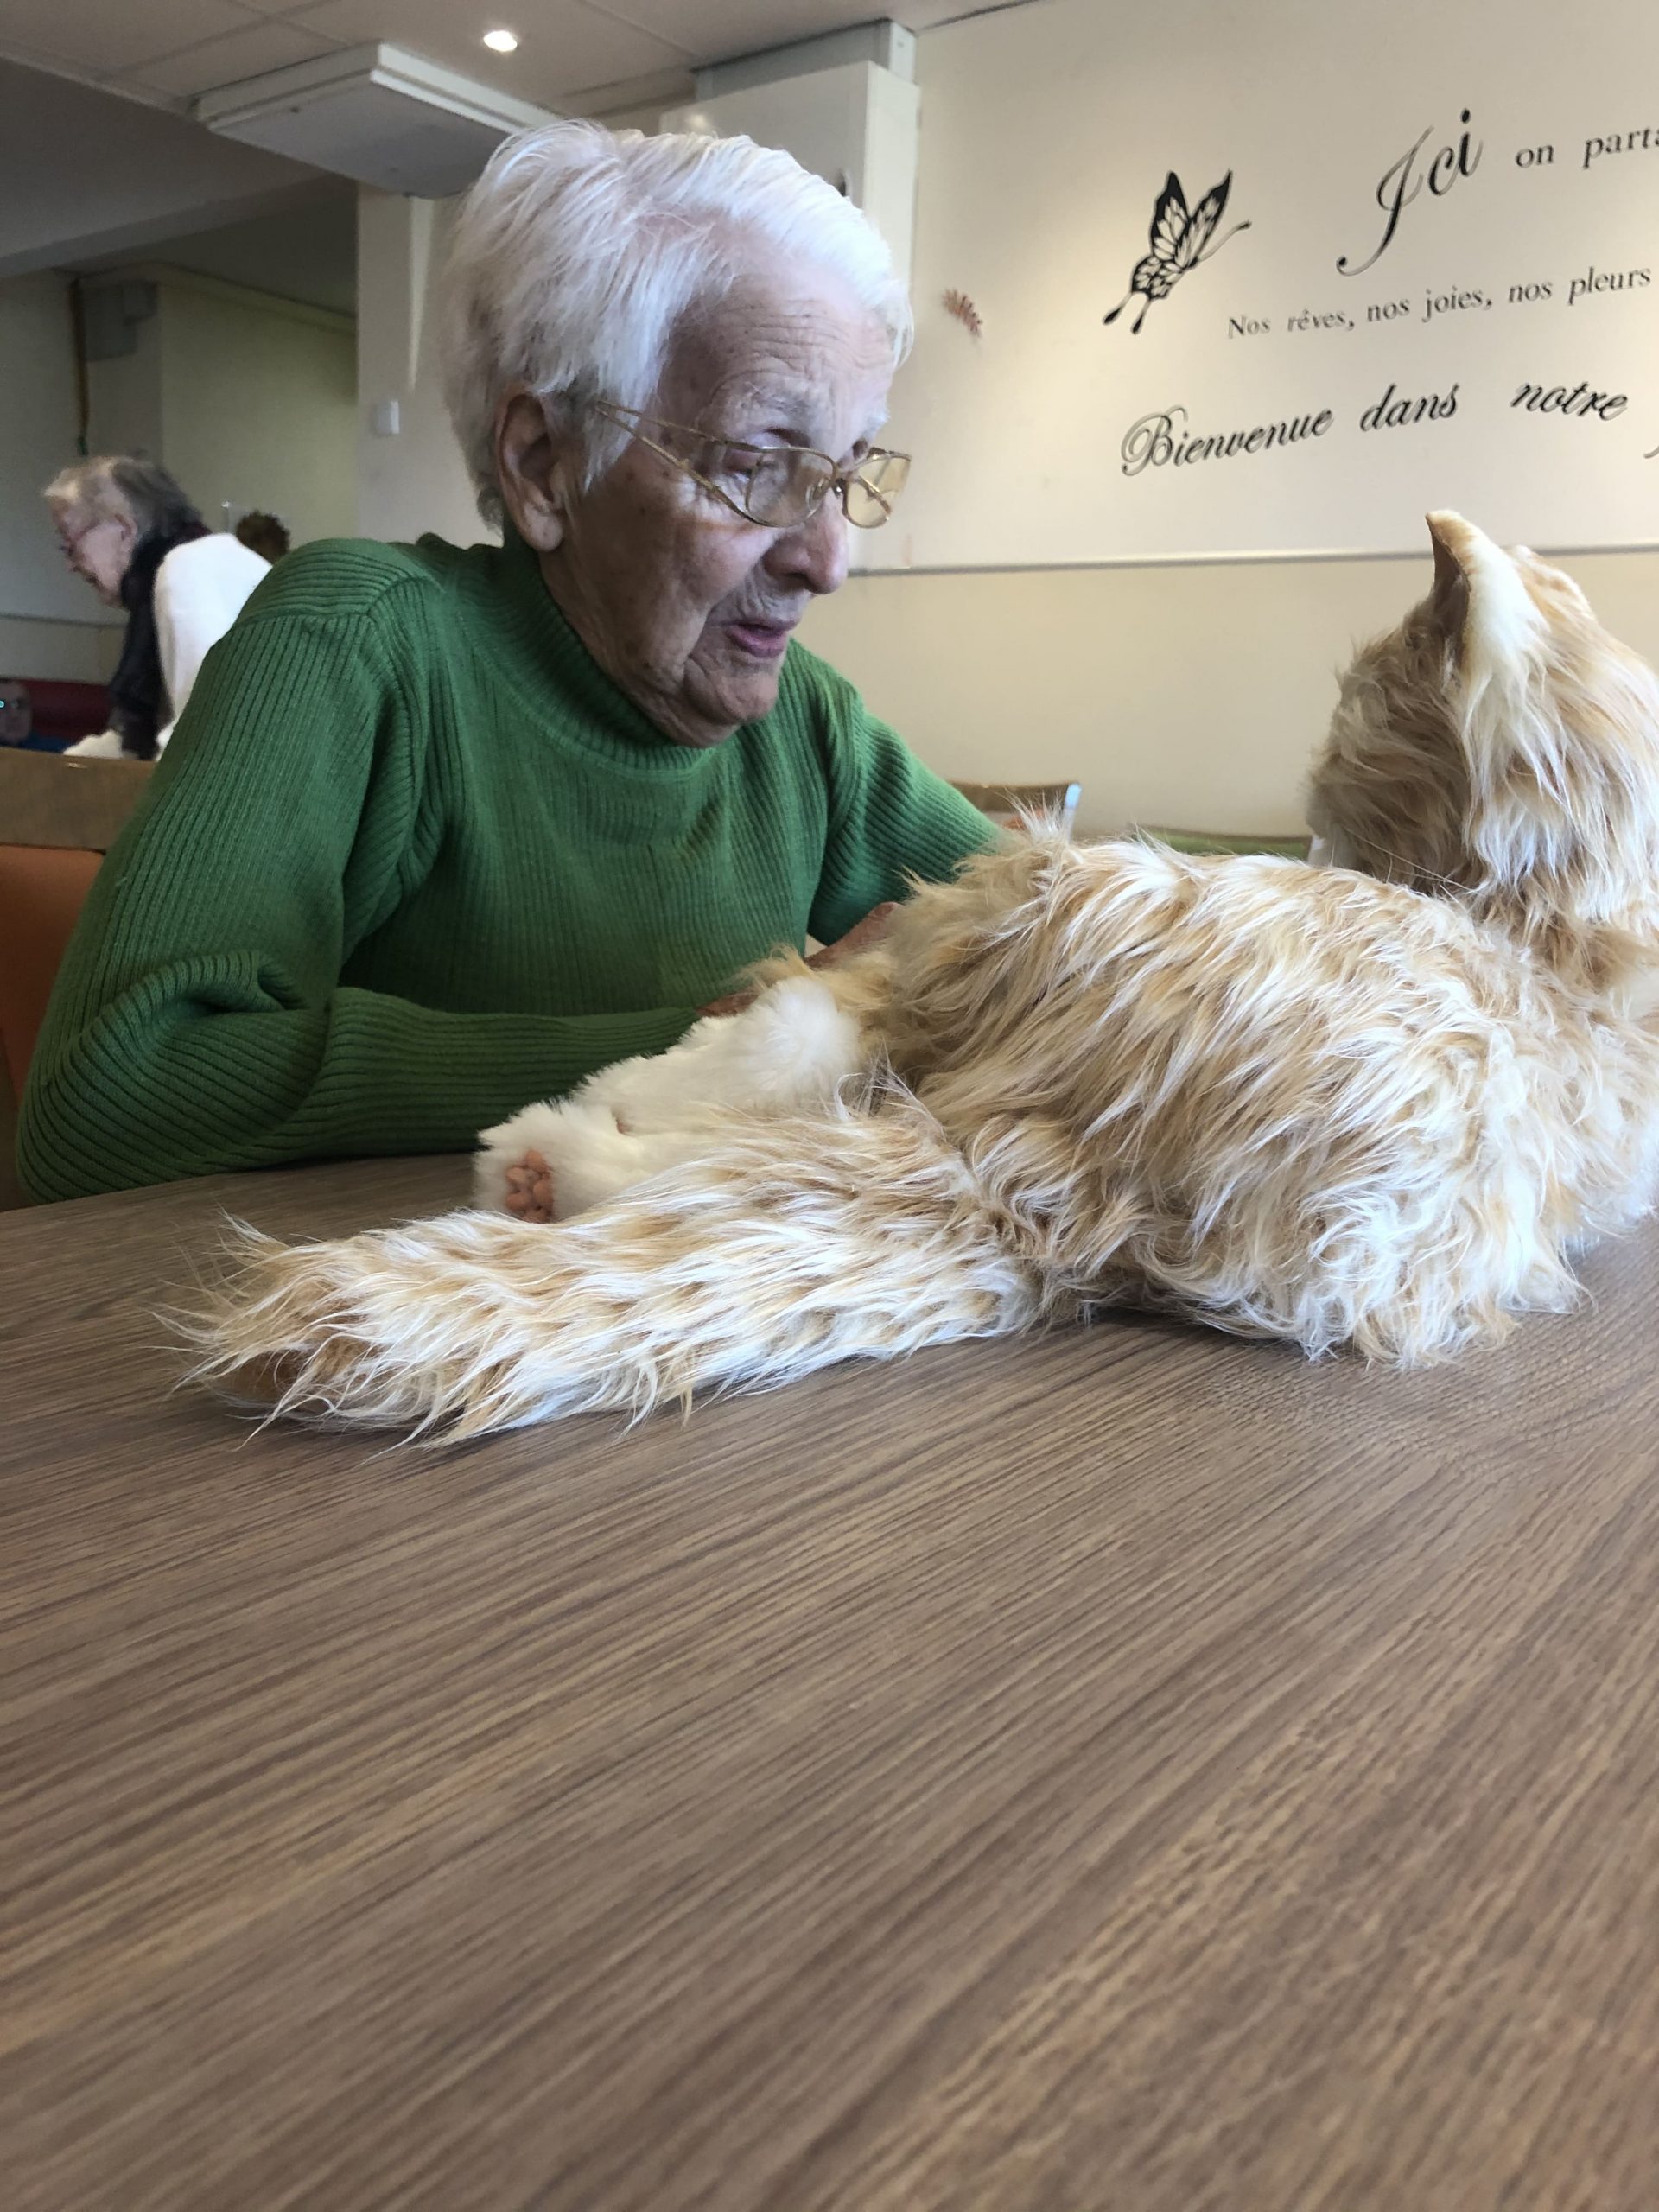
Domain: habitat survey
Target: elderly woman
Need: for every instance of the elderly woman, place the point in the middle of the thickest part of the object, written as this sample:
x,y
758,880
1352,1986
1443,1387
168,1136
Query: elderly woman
x,y
444,831
126,527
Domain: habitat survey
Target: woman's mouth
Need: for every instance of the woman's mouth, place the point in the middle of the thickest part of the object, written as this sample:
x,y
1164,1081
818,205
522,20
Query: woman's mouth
x,y
760,640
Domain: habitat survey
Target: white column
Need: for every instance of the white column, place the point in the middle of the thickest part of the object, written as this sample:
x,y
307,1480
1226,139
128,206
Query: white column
x,y
410,474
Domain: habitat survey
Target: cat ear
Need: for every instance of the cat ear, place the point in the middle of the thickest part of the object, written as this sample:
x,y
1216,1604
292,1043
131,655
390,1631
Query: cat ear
x,y
1480,602
1448,602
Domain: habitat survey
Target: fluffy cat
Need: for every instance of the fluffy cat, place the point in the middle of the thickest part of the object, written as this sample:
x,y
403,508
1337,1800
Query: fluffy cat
x,y
1376,1103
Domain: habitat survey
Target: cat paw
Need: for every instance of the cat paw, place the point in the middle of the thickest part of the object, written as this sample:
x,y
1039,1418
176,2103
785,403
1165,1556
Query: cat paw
x,y
514,1169
530,1188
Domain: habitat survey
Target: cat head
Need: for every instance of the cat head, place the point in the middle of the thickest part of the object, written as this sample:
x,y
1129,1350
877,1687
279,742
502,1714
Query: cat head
x,y
1500,745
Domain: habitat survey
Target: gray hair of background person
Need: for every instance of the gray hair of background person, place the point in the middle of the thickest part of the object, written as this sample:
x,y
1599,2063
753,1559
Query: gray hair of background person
x,y
579,249
119,486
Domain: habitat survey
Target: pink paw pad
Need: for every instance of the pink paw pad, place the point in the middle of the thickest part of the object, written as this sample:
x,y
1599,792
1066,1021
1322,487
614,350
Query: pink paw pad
x,y
529,1189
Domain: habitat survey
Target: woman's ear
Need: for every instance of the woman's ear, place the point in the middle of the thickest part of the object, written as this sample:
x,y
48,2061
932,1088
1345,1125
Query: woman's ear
x,y
535,466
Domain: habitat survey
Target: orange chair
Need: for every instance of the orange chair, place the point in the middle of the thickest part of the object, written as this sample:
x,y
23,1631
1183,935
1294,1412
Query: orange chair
x,y
58,818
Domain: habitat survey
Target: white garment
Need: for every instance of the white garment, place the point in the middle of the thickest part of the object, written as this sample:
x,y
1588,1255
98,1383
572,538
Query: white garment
x,y
106,745
201,588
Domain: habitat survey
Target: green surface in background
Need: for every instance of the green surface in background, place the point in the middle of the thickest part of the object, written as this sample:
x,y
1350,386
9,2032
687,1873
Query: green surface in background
x,y
1205,841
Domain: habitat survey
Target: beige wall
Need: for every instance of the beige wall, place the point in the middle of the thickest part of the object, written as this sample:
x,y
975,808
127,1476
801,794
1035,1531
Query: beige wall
x,y
50,623
1191,694
1190,697
259,405
244,397
62,653
124,394
413,481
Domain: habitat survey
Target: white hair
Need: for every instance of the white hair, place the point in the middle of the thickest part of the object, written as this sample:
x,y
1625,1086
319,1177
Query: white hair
x,y
579,250
124,487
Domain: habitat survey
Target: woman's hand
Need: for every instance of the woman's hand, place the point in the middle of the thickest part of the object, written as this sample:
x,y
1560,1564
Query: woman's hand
x,y
859,938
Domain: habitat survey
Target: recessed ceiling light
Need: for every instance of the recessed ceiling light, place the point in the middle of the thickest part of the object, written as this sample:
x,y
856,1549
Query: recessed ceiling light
x,y
501,41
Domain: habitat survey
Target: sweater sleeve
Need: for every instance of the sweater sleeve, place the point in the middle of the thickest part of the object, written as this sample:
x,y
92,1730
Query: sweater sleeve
x,y
890,816
198,1024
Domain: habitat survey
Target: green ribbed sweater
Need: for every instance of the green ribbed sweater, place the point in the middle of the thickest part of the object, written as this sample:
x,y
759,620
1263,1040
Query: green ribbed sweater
x,y
411,860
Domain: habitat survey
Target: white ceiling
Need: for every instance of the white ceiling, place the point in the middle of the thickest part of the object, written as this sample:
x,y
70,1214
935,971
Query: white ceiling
x,y
589,54
98,163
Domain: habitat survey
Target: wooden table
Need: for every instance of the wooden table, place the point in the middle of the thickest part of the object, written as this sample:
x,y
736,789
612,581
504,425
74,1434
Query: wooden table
x,y
1122,1771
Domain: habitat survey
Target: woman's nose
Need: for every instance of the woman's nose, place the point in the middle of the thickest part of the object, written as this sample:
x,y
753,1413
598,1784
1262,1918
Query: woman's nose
x,y
814,553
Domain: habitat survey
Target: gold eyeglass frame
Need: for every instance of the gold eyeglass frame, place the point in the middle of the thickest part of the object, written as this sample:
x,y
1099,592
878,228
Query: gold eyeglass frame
x,y
838,480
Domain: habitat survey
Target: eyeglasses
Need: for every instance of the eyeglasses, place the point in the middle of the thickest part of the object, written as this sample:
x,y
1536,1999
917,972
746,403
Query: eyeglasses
x,y
73,540
778,486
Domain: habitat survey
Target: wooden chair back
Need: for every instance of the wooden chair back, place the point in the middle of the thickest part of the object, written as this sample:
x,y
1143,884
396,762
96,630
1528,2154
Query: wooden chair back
x,y
58,818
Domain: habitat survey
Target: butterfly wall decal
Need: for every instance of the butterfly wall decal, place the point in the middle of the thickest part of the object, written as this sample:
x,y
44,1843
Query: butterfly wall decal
x,y
1179,241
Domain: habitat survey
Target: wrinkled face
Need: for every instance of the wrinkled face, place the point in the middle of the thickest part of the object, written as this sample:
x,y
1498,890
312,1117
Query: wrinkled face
x,y
16,712
99,549
688,606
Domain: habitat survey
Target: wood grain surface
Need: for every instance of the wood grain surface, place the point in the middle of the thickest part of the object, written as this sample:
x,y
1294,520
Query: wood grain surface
x,y
1127,1771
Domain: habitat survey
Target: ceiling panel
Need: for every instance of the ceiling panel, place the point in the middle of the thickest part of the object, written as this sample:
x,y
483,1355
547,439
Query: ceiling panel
x,y
564,46
247,52
104,37
636,103
716,29
719,31
596,55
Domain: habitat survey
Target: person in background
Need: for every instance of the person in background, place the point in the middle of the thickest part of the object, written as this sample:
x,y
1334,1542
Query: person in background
x,y
129,530
445,830
18,720
263,534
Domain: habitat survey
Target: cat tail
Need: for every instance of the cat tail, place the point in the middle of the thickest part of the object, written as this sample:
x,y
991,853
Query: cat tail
x,y
794,1244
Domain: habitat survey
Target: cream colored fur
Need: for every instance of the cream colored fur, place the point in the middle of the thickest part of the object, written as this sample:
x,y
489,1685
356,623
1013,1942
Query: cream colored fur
x,y
1376,1105
789,1052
